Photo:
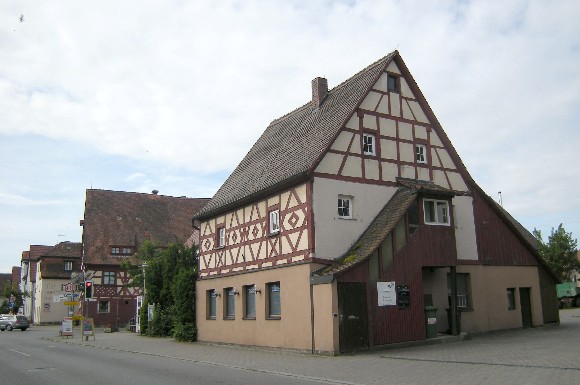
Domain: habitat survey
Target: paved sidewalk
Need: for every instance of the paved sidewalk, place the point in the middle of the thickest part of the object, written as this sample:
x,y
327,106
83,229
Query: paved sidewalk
x,y
543,355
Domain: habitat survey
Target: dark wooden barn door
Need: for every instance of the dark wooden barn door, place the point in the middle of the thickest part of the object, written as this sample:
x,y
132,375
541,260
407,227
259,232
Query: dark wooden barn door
x,y
526,306
353,318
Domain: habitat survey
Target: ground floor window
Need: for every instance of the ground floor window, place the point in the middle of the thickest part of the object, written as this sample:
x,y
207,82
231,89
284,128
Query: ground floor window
x,y
274,303
103,306
511,297
250,302
463,290
211,304
230,303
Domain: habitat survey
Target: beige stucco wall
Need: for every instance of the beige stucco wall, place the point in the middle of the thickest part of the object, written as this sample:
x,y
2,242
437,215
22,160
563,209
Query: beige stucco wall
x,y
49,305
464,221
489,297
334,235
293,330
326,328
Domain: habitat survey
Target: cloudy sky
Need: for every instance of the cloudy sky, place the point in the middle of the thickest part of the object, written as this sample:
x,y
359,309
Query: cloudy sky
x,y
170,95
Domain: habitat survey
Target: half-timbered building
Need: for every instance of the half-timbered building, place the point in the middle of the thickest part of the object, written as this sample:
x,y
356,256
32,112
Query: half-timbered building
x,y
352,215
115,224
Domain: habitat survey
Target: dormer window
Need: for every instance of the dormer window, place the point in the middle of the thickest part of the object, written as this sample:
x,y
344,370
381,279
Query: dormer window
x,y
436,212
121,250
369,144
115,250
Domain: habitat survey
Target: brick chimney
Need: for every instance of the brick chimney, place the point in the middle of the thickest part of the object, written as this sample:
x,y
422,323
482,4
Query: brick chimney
x,y
319,91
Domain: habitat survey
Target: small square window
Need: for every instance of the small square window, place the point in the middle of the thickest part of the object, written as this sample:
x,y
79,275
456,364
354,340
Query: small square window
x,y
511,297
221,237
421,153
115,250
344,207
211,304
68,266
274,304
369,144
126,251
436,212
274,219
108,278
392,83
103,306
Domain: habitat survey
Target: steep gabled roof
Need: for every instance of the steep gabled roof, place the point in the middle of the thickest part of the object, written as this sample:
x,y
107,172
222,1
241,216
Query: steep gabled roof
x,y
290,147
118,218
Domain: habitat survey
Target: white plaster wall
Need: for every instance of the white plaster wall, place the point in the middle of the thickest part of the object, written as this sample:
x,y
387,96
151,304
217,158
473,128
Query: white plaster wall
x,y
333,236
464,228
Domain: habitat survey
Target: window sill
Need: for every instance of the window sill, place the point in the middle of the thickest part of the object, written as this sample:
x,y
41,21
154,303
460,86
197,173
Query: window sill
x,y
249,318
211,318
274,234
346,218
229,318
274,318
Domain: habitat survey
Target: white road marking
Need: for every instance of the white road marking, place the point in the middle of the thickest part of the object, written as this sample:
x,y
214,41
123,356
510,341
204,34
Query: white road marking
x,y
16,351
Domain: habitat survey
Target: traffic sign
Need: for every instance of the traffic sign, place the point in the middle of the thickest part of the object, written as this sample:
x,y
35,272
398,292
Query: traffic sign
x,y
71,303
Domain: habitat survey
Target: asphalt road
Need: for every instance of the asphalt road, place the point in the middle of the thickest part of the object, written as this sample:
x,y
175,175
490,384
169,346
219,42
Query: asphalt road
x,y
28,360
545,355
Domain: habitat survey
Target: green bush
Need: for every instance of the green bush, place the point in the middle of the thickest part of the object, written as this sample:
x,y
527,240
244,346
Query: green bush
x,y
185,332
161,325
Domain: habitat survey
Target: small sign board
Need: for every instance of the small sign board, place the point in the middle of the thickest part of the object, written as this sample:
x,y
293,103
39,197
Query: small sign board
x,y
88,327
71,303
66,327
386,293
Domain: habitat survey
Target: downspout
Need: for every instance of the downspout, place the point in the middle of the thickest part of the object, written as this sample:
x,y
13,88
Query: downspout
x,y
453,279
312,317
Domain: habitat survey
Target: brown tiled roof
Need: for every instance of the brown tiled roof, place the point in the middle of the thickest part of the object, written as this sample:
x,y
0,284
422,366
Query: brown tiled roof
x,y
68,250
37,250
376,233
16,273
288,150
33,254
116,218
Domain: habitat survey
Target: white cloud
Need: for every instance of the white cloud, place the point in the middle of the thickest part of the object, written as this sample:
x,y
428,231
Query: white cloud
x,y
185,88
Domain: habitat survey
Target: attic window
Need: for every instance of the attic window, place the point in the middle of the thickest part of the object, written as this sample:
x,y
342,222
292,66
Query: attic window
x,y
121,250
68,265
393,83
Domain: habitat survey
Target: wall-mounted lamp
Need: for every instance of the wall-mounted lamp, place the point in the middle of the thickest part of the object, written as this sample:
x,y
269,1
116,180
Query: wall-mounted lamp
x,y
217,293
257,290
236,292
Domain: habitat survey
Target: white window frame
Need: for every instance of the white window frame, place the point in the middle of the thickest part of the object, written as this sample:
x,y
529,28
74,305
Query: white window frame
x,y
221,237
68,265
441,218
370,142
274,222
341,205
107,310
421,153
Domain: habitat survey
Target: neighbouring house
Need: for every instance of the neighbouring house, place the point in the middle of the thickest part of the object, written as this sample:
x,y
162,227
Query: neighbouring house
x,y
16,274
53,283
115,224
28,278
349,217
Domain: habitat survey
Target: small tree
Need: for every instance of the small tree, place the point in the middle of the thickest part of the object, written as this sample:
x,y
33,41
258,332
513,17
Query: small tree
x,y
170,284
559,252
